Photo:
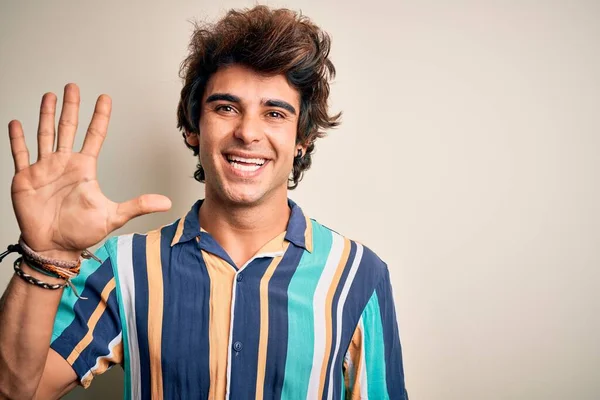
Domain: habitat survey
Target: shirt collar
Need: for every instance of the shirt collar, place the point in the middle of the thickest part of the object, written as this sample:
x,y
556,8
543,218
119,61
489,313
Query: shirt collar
x,y
298,232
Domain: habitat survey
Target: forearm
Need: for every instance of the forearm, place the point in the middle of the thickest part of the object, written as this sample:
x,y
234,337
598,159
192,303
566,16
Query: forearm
x,y
27,315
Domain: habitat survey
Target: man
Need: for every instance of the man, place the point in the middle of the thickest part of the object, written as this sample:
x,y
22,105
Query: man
x,y
244,296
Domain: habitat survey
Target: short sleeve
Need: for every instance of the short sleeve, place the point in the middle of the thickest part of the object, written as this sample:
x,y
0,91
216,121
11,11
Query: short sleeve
x,y
87,332
373,366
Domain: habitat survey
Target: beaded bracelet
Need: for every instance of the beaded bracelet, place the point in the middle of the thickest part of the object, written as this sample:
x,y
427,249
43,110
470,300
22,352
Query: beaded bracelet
x,y
34,281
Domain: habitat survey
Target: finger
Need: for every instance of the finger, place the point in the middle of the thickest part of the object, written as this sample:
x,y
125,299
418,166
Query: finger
x,y
18,146
145,204
46,125
98,126
67,124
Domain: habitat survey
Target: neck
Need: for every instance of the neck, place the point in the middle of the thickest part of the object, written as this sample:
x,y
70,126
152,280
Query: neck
x,y
242,230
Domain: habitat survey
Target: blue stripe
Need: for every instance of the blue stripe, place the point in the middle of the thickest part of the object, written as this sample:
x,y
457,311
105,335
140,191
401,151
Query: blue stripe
x,y
65,313
246,329
334,315
185,340
296,229
83,309
210,245
368,275
394,369
278,322
141,309
107,328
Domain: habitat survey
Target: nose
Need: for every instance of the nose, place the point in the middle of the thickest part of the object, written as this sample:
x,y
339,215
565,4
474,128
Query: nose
x,y
249,129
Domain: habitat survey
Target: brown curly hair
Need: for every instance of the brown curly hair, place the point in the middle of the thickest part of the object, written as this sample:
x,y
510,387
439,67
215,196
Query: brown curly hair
x,y
270,42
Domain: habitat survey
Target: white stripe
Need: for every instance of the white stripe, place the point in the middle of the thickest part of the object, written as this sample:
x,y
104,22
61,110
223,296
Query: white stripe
x,y
364,389
227,391
127,288
111,353
340,309
319,302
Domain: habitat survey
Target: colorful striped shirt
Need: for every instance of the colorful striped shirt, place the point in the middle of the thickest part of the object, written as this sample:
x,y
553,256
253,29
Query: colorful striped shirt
x,y
310,316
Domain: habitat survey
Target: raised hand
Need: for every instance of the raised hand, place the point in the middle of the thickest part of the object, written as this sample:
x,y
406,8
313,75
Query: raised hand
x,y
57,200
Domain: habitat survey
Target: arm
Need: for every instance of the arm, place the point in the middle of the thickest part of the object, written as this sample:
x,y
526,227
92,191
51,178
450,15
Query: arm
x,y
79,339
61,211
373,366
26,319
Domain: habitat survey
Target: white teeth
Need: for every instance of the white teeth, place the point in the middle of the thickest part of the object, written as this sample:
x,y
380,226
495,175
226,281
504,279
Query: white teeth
x,y
257,161
241,167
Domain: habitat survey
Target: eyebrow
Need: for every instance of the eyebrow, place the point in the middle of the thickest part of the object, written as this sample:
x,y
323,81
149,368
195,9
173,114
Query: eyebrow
x,y
281,104
235,99
223,97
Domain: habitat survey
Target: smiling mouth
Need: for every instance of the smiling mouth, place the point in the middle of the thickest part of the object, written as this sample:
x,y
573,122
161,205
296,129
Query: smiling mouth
x,y
245,164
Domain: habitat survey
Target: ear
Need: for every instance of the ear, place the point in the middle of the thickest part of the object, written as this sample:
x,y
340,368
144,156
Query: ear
x,y
191,138
302,148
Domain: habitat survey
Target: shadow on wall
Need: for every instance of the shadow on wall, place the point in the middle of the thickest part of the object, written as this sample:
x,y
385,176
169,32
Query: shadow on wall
x,y
106,386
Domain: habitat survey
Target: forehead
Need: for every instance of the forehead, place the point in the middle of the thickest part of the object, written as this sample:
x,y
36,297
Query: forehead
x,y
251,86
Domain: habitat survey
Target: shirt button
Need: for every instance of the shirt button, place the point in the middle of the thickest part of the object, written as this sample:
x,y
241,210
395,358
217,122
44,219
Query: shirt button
x,y
237,346
240,277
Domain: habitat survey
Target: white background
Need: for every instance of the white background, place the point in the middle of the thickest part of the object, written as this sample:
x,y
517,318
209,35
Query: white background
x,y
467,159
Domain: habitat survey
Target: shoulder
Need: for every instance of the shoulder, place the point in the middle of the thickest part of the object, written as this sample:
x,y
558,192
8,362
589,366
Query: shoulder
x,y
360,257
117,245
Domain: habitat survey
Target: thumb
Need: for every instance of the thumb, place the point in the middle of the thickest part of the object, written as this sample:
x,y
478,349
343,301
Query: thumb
x,y
141,205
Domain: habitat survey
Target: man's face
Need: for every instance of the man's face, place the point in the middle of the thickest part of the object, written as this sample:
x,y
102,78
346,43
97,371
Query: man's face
x,y
247,138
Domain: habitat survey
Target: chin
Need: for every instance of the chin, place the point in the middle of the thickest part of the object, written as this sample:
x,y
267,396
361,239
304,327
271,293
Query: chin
x,y
244,193
244,197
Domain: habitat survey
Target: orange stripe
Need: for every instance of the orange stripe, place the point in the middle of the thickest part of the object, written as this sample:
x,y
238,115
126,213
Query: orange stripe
x,y
264,324
87,339
328,308
178,231
221,276
155,311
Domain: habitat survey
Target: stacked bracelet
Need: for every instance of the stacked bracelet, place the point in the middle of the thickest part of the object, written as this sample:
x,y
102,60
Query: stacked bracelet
x,y
56,268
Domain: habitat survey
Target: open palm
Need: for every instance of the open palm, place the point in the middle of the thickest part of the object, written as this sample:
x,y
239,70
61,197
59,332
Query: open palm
x,y
58,203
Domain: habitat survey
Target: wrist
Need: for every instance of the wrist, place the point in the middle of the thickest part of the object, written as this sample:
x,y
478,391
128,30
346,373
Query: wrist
x,y
40,275
61,255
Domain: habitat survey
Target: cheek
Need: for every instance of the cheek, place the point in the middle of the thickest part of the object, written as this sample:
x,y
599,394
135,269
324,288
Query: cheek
x,y
208,136
284,141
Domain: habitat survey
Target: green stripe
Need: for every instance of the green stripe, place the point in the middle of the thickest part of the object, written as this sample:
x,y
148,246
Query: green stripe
x,y
374,350
112,246
301,290
65,314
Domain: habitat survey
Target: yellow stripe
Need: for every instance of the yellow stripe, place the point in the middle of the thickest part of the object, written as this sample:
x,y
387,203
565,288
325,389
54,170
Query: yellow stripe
x,y
308,235
221,276
178,231
328,309
264,324
155,311
87,339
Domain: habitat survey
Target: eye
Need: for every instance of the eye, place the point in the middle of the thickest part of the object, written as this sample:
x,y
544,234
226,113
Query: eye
x,y
226,108
275,114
